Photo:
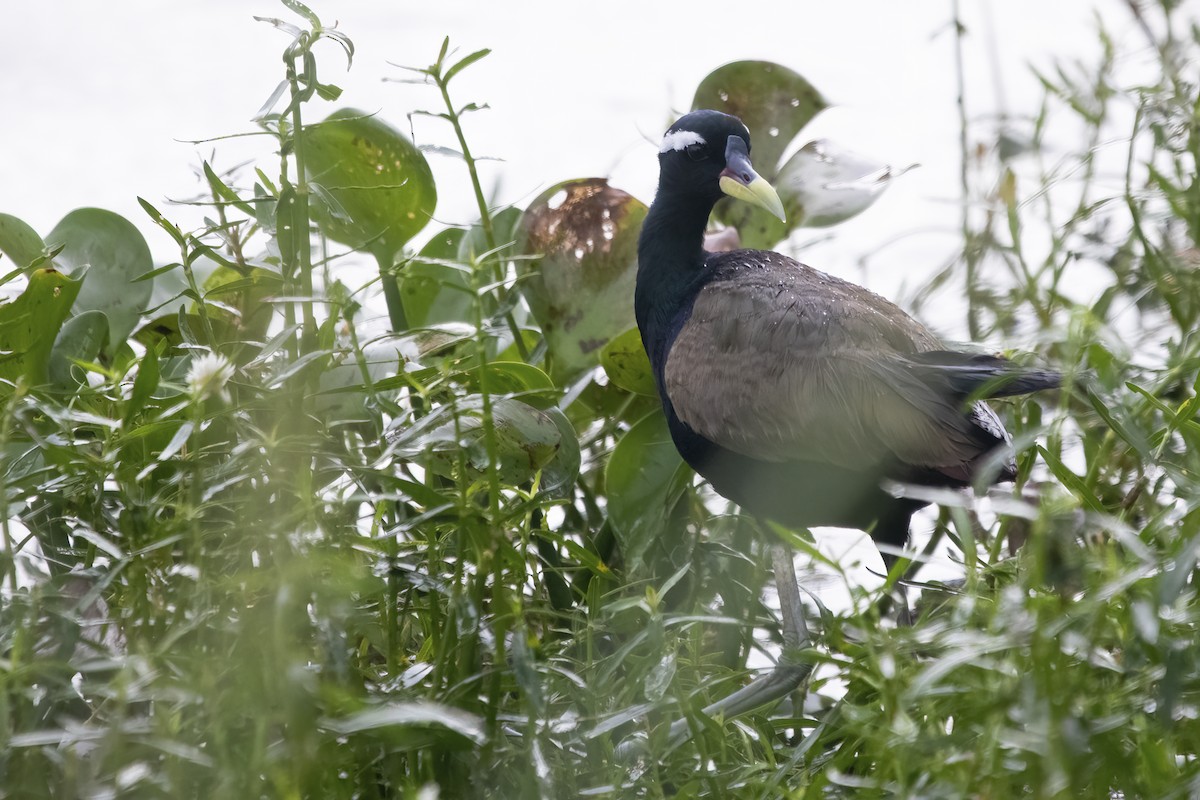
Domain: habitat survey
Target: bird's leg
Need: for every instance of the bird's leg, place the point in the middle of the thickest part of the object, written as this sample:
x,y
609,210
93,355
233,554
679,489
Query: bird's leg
x,y
788,672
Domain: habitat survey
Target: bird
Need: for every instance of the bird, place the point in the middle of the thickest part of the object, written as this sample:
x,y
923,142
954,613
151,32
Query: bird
x,y
798,395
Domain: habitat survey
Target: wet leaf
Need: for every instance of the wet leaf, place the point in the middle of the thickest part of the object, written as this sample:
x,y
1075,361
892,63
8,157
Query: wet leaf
x,y
432,290
526,439
504,232
774,102
625,362
645,477
822,184
379,178
580,285
114,255
29,325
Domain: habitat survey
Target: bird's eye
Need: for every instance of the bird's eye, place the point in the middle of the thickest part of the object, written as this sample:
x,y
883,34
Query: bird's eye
x,y
696,151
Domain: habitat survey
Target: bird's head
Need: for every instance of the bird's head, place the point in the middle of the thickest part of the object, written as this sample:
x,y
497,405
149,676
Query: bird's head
x,y
708,153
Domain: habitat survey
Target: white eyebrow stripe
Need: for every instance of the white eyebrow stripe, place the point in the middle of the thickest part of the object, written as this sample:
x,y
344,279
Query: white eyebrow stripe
x,y
677,140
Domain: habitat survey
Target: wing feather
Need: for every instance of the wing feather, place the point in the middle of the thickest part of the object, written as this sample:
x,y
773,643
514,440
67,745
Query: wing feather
x,y
780,362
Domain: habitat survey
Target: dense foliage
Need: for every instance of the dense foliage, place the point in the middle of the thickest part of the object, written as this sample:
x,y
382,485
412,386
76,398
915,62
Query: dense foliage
x,y
256,547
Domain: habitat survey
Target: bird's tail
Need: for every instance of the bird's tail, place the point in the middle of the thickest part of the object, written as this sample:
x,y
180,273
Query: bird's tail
x,y
981,376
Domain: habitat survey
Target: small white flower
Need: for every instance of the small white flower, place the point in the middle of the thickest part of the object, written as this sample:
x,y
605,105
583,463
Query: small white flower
x,y
208,375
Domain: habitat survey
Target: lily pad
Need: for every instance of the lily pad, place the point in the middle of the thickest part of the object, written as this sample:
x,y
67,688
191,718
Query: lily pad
x,y
579,285
775,103
625,362
29,325
376,190
109,253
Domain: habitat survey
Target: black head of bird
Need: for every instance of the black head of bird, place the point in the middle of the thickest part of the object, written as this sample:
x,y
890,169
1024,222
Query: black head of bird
x,y
797,394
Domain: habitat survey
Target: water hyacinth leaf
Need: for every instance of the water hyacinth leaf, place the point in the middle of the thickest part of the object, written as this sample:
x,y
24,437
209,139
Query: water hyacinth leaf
x,y
774,102
516,378
30,324
432,288
81,338
247,295
579,284
19,242
504,233
823,184
110,254
559,475
379,178
645,477
342,391
625,362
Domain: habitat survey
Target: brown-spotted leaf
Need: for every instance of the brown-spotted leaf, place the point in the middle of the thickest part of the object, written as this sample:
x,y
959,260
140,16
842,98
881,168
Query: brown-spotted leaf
x,y
583,234
376,189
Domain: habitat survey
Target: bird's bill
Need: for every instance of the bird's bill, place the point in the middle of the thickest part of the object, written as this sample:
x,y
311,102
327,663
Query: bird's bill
x,y
739,180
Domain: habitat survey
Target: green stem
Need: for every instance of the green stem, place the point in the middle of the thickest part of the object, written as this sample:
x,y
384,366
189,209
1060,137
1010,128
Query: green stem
x,y
485,215
300,216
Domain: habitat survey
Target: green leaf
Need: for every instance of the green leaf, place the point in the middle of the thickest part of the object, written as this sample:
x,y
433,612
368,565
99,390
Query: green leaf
x,y
80,339
421,714
144,384
114,254
774,102
432,290
29,325
645,477
559,474
625,362
379,178
823,184
526,439
19,242
519,378
248,296
466,62
504,232
579,284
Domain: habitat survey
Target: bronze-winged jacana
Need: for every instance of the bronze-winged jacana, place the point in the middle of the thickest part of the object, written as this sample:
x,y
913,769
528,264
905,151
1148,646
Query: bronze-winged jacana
x,y
796,394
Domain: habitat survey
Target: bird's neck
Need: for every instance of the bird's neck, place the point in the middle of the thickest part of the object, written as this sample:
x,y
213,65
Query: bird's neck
x,y
670,260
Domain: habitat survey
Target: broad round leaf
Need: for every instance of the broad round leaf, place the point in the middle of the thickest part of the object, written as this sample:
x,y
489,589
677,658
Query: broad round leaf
x,y
114,254
80,338
822,184
579,286
375,188
19,242
774,102
526,439
625,362
247,295
433,287
30,324
645,477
